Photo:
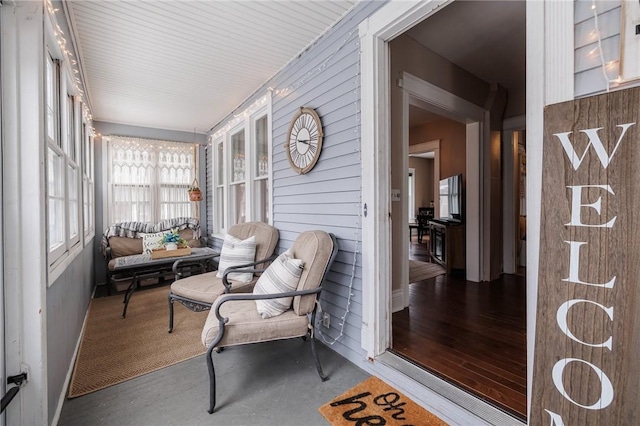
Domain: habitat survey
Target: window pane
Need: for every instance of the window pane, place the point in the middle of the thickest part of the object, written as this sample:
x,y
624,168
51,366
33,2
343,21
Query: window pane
x,y
73,177
86,202
92,206
50,99
84,142
131,189
174,202
262,152
71,141
52,109
175,177
237,153
149,179
56,199
219,213
220,165
238,204
261,200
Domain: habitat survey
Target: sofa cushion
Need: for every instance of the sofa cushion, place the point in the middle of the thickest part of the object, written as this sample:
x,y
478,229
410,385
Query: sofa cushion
x,y
125,246
281,276
189,237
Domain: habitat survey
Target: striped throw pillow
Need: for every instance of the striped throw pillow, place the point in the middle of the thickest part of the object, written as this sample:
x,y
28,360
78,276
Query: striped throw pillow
x,y
237,252
281,276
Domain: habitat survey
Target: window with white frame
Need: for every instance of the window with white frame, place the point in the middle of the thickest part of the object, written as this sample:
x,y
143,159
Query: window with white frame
x,y
56,202
63,171
219,214
261,171
237,187
68,170
73,172
88,186
148,180
241,170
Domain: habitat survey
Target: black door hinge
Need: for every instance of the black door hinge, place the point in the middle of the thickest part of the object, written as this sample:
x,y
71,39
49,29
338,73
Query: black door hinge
x,y
18,379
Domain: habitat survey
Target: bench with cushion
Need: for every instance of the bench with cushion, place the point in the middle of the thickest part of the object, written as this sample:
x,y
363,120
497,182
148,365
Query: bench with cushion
x,y
127,239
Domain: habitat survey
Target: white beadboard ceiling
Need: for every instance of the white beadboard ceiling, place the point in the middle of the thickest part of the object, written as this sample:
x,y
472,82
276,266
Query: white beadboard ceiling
x,y
185,65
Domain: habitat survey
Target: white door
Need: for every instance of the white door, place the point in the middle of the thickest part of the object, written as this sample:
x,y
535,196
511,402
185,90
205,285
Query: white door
x,y
3,379
9,353
3,320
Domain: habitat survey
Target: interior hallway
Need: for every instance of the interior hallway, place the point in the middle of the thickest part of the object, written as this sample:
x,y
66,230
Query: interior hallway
x,y
471,334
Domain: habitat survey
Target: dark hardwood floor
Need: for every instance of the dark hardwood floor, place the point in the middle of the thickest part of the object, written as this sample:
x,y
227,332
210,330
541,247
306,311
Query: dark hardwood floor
x,y
470,334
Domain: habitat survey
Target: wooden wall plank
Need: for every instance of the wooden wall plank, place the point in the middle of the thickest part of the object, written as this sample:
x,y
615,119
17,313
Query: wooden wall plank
x,y
578,392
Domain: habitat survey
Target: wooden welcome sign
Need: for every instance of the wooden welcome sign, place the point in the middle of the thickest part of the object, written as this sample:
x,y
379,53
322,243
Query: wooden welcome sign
x,y
587,352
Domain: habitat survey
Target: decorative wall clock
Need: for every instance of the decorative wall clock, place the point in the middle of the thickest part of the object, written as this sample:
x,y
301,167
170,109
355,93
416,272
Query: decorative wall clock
x,y
304,140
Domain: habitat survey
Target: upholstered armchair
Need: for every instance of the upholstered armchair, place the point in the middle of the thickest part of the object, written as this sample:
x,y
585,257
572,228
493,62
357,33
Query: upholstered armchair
x,y
197,292
291,285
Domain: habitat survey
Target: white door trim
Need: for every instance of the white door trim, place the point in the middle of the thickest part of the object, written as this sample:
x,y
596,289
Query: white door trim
x,y
510,191
449,105
549,49
25,259
430,146
388,22
3,318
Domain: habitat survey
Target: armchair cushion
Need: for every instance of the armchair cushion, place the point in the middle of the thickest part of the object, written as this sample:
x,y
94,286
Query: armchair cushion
x,y
237,252
247,326
206,287
314,248
281,276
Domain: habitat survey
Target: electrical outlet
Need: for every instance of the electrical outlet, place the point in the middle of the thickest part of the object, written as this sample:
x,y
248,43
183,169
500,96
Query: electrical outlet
x,y
326,319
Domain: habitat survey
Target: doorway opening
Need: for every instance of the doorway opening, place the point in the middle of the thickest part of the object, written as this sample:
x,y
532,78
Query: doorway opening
x,y
468,325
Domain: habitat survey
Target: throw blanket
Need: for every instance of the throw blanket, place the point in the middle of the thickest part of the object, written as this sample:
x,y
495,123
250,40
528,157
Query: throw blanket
x,y
132,229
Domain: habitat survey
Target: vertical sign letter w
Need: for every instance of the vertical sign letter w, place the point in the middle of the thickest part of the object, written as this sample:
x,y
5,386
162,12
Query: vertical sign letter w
x,y
594,140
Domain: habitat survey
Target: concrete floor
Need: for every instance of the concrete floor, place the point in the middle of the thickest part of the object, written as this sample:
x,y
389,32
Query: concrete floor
x,y
273,383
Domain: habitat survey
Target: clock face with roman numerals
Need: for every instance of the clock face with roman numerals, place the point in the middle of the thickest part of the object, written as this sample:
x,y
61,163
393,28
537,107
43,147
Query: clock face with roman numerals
x,y
305,140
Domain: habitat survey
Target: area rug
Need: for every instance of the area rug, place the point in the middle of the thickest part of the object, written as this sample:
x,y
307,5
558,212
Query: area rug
x,y
419,271
373,402
114,349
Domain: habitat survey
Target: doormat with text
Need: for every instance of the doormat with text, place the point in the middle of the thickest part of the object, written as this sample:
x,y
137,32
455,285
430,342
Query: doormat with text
x,y
373,402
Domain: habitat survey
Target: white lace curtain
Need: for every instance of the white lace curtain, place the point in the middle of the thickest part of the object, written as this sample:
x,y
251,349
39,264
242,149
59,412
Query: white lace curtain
x,y
148,180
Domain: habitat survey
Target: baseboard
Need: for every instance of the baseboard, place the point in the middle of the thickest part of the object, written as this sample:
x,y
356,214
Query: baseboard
x,y
397,301
67,379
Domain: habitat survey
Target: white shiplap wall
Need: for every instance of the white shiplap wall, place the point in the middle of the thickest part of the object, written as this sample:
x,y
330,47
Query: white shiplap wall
x,y
184,64
589,75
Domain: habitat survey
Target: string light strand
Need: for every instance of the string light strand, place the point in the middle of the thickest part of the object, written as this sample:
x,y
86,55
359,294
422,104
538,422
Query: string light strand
x,y
250,110
309,75
358,227
68,54
603,65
